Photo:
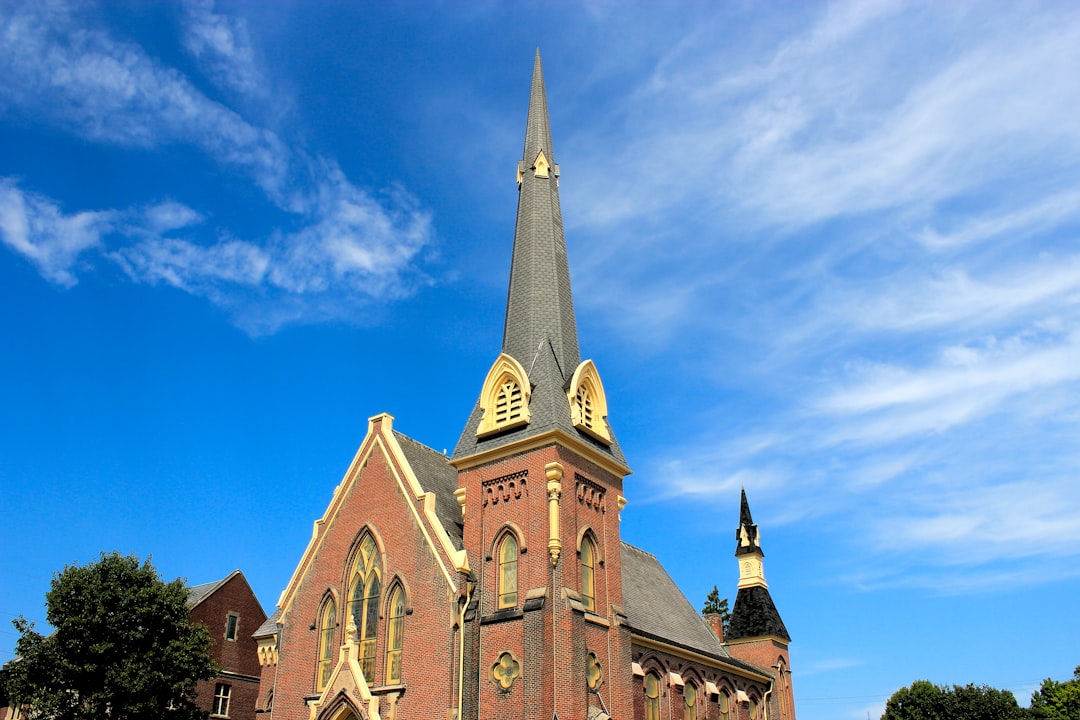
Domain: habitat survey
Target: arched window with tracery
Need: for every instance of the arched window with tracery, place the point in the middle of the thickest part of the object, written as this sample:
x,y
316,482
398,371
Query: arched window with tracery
x,y
689,701
327,628
508,571
395,630
652,697
588,573
364,602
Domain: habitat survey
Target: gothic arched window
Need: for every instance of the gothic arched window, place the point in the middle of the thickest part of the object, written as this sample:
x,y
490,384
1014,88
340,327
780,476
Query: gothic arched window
x,y
508,571
364,602
588,574
396,628
690,701
652,697
328,624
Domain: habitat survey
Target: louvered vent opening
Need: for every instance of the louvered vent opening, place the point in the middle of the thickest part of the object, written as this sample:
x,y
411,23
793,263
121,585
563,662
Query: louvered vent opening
x,y
508,404
585,406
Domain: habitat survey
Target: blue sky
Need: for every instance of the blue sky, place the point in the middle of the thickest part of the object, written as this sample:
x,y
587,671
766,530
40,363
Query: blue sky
x,y
827,252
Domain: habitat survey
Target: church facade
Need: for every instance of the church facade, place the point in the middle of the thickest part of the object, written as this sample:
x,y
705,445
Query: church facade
x,y
493,584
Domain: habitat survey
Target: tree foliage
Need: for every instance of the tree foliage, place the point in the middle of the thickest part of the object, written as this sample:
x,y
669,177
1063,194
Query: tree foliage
x,y
715,606
926,701
122,648
1057,700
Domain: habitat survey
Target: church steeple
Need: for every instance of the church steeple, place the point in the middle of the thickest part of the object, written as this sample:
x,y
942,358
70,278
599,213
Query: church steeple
x,y
539,384
754,614
540,305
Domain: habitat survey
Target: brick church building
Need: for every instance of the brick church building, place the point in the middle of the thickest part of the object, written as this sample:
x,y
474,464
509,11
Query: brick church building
x,y
493,584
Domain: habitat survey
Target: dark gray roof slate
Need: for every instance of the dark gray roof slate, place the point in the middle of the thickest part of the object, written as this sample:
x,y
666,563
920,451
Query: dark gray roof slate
x,y
269,627
198,593
435,475
755,615
540,330
656,607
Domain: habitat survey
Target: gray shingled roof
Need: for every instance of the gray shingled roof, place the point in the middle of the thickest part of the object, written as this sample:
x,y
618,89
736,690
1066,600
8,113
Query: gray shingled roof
x,y
435,475
655,607
198,593
540,330
269,627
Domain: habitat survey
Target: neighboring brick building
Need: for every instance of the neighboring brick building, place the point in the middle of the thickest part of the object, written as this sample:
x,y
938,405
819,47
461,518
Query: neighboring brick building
x,y
230,611
493,584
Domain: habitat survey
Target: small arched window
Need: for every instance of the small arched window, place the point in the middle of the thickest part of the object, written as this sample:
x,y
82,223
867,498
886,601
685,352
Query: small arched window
x,y
725,705
508,571
364,603
588,574
690,701
328,624
504,398
393,637
753,708
652,697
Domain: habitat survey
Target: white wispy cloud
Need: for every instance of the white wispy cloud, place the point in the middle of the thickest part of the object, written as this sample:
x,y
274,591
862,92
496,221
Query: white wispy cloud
x,y
350,244
222,44
36,228
880,207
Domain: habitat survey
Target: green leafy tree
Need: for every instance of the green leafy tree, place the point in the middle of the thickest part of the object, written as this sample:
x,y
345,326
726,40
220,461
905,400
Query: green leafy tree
x,y
122,648
926,701
1057,700
715,606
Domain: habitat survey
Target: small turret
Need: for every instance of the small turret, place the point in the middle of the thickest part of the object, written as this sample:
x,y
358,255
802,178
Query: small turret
x,y
754,614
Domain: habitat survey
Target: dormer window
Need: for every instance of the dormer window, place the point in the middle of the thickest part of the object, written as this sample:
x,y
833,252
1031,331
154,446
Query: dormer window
x,y
505,397
588,404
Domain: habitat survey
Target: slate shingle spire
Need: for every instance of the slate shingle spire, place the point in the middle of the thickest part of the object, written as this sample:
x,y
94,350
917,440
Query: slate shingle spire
x,y
539,305
540,330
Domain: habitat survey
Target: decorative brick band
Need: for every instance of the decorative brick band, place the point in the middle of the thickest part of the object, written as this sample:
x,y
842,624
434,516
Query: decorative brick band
x,y
590,493
506,488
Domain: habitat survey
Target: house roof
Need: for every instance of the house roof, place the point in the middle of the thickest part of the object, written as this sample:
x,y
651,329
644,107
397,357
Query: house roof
x,y
656,608
540,330
269,626
435,475
198,593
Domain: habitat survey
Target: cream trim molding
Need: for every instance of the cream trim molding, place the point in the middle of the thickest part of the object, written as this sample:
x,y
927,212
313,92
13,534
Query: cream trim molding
x,y
588,402
380,437
555,436
706,660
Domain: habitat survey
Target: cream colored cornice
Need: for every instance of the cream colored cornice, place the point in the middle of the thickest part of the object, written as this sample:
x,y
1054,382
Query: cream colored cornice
x,y
556,436
697,657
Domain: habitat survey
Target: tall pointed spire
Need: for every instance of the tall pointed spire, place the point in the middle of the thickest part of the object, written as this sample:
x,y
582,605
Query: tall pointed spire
x,y
540,330
540,305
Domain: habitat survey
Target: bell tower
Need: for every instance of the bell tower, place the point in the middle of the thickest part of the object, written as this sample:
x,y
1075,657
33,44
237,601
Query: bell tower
x,y
540,483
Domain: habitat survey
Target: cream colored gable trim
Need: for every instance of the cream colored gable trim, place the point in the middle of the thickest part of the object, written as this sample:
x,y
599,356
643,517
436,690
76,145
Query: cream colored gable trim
x,y
459,558
697,657
504,366
549,437
541,166
349,677
387,443
586,375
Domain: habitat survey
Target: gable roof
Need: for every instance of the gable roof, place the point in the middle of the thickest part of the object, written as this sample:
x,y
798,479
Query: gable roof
x,y
436,475
656,608
198,593
269,626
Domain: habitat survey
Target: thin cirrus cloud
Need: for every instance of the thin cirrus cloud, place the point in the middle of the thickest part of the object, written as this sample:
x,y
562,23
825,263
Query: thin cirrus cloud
x,y
350,246
893,185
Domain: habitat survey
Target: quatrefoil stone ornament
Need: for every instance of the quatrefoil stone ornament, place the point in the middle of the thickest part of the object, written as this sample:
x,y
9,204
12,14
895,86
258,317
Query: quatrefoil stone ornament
x,y
594,674
505,670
